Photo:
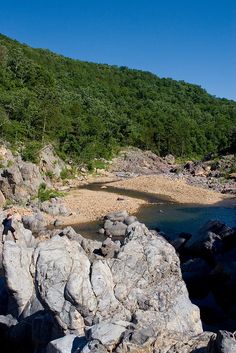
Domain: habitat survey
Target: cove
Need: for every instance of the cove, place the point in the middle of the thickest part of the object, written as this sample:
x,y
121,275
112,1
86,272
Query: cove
x,y
163,214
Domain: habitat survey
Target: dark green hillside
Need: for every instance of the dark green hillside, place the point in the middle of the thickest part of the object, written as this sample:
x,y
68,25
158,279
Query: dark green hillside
x,y
88,110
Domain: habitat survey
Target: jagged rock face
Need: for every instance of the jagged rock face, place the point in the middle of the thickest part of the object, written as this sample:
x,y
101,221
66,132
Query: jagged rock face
x,y
49,162
134,161
20,181
140,290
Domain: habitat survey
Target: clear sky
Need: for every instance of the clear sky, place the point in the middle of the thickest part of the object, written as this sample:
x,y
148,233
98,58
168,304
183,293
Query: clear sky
x,y
190,40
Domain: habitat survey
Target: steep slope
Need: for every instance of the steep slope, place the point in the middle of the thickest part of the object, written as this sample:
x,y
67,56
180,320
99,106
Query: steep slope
x,y
89,110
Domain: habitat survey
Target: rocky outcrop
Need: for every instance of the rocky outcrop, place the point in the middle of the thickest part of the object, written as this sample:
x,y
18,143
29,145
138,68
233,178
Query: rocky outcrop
x,y
18,179
208,268
223,342
134,161
54,207
114,301
115,224
50,163
213,173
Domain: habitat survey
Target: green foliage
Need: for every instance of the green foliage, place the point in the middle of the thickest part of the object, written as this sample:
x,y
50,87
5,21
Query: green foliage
x,y
50,175
31,151
90,110
67,173
97,164
45,194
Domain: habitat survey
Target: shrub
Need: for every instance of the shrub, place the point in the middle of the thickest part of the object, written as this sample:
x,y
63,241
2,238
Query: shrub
x,y
49,174
45,194
31,152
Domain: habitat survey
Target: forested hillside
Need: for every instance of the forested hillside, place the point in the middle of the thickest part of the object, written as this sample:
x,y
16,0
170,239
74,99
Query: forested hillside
x,y
89,110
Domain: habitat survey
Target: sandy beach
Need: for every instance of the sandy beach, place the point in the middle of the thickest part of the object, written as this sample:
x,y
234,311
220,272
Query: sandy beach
x,y
88,205
178,190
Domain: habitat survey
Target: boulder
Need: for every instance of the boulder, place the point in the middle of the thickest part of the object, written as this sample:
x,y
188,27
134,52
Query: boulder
x,y
118,229
108,333
212,238
109,248
129,220
67,344
62,275
170,159
55,208
141,284
35,222
16,262
50,162
117,216
222,342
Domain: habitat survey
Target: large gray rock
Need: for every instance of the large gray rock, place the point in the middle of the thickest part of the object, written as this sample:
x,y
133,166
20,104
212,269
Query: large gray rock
x,y
166,342
141,284
108,333
62,276
67,344
54,208
118,216
50,162
20,181
16,262
34,222
223,342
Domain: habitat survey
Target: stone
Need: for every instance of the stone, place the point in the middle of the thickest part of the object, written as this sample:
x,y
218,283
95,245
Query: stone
x,y
63,280
118,216
67,344
34,222
7,321
16,263
94,347
2,199
223,342
129,220
108,333
118,229
109,248
170,159
139,284
50,162
101,231
57,223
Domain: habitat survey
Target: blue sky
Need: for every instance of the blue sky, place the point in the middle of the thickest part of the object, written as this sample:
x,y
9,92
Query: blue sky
x,y
191,40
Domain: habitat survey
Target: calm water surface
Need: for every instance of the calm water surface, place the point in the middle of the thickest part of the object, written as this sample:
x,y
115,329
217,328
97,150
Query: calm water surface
x,y
164,214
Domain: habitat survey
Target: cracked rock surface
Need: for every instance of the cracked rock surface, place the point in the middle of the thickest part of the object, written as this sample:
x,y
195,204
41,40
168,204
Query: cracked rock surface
x,y
130,297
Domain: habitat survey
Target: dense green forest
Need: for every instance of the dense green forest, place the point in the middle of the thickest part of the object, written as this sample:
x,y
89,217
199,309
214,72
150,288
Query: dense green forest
x,y
90,110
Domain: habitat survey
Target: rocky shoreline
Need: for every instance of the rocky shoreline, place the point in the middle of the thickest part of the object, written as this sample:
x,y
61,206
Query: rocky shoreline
x,y
126,295
134,292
